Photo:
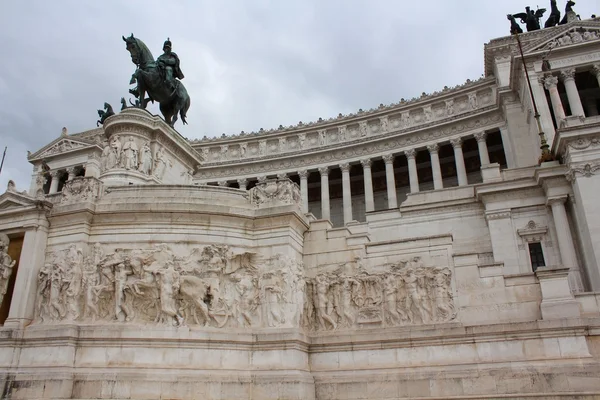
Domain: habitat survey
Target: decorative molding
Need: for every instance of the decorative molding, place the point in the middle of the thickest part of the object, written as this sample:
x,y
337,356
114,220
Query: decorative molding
x,y
500,214
567,74
480,136
345,167
433,148
575,36
410,153
456,142
352,150
585,170
533,232
583,143
388,158
549,81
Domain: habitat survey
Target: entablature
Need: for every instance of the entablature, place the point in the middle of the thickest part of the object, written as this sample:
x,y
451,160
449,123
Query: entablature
x,y
428,112
487,118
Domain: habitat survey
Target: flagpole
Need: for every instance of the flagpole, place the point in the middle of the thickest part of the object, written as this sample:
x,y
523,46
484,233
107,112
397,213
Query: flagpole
x,y
546,155
3,155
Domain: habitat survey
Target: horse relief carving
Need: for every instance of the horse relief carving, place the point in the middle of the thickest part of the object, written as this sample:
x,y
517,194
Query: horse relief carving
x,y
211,287
273,192
409,293
80,189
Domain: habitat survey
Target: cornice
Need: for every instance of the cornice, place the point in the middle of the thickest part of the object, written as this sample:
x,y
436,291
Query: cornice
x,y
415,104
371,146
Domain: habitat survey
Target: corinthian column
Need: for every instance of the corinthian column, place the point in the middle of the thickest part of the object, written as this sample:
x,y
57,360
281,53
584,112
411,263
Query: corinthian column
x,y
484,157
243,183
369,200
347,194
435,166
390,181
71,172
568,76
596,72
54,176
325,209
550,83
413,176
565,242
459,160
303,174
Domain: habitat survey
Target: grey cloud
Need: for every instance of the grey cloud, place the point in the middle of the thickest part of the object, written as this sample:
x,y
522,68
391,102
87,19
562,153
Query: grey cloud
x,y
248,64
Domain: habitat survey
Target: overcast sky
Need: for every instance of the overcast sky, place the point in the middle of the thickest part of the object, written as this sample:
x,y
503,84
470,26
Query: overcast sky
x,y
247,63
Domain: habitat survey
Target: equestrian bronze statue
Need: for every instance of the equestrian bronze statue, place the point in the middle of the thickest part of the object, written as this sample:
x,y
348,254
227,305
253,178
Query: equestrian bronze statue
x,y
159,78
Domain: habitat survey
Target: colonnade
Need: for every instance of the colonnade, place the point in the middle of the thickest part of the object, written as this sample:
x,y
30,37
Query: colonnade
x,y
390,177
55,177
567,76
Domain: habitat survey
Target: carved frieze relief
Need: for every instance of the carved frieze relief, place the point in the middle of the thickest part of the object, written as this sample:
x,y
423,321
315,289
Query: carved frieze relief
x,y
81,189
419,117
584,169
370,145
408,293
215,287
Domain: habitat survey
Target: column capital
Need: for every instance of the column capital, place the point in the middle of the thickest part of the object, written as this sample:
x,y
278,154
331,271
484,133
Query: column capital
x,y
242,183
303,174
556,200
54,174
366,163
456,142
433,148
282,175
262,179
480,137
388,158
324,171
70,170
410,153
222,183
568,74
596,69
345,167
550,81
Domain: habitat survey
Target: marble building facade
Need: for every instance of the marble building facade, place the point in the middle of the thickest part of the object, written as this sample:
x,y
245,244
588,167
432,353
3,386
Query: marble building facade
x,y
413,250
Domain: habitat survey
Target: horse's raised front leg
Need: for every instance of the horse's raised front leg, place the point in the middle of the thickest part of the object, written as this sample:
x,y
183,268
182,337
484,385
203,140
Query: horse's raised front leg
x,y
142,95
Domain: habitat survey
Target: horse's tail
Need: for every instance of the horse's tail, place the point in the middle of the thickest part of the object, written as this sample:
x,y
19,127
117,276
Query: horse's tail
x,y
183,111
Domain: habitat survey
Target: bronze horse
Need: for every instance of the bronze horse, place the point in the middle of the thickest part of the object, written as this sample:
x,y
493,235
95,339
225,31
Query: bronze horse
x,y
150,79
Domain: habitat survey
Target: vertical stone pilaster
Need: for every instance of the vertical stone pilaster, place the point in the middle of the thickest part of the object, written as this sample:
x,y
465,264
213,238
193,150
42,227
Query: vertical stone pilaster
x,y
504,245
565,242
22,306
